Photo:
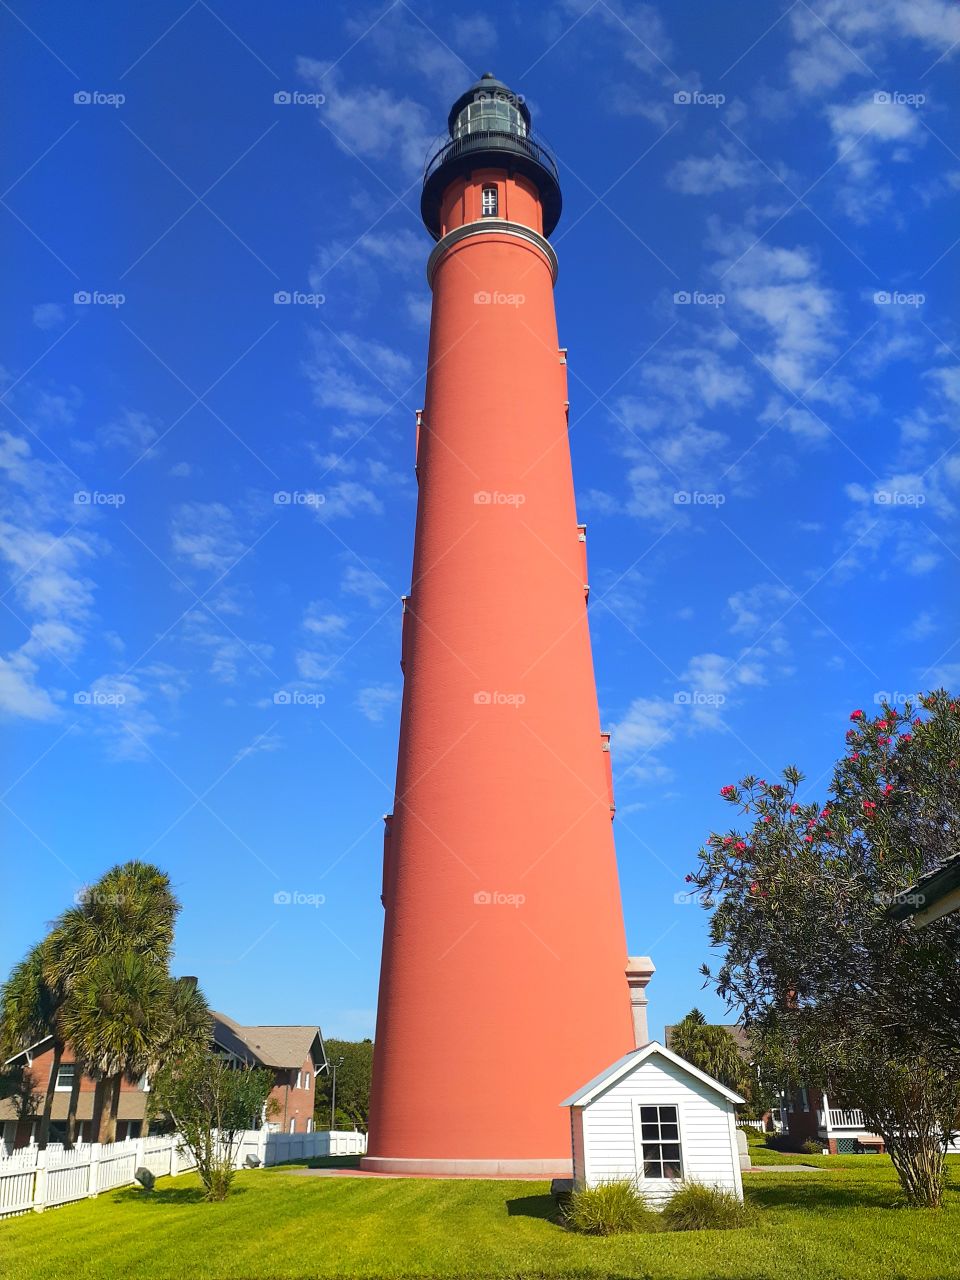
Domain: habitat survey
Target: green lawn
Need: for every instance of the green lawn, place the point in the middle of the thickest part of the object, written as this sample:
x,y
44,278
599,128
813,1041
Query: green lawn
x,y
811,1226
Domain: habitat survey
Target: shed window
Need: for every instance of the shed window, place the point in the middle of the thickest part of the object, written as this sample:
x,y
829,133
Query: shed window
x,y
660,1136
489,202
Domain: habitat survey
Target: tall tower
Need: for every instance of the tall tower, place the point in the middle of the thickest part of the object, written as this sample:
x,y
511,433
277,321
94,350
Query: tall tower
x,y
502,984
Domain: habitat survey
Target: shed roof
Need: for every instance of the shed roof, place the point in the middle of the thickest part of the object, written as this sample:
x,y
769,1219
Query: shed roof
x,y
272,1046
630,1061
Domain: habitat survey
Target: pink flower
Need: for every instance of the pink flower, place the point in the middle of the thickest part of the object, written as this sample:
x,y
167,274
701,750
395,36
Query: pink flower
x,y
855,756
728,839
883,724
856,715
906,737
768,818
740,845
809,839
888,788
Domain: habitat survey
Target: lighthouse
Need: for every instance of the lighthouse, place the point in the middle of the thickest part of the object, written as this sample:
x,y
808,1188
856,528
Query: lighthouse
x,y
502,984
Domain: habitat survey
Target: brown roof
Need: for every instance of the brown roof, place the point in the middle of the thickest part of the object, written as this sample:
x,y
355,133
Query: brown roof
x,y
278,1047
132,1106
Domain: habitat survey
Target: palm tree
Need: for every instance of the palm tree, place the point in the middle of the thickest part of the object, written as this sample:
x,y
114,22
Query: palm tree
x,y
189,1027
118,1015
130,909
31,1009
712,1049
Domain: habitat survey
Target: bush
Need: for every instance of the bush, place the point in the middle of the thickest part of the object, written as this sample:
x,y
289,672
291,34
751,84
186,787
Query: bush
x,y
810,1147
609,1208
696,1207
785,1142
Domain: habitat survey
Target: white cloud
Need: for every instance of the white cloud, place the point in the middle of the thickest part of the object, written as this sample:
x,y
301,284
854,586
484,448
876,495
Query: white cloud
x,y
49,315
132,432
204,534
347,499
726,170
361,581
356,376
375,700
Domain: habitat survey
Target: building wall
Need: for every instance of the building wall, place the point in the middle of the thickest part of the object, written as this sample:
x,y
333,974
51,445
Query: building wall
x,y
294,1104
707,1130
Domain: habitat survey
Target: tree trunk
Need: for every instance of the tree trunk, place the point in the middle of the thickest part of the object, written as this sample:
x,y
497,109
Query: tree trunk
x,y
919,1162
44,1135
72,1109
107,1131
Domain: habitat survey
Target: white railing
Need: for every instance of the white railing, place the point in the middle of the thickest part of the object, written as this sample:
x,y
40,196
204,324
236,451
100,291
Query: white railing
x,y
750,1124
841,1118
38,1180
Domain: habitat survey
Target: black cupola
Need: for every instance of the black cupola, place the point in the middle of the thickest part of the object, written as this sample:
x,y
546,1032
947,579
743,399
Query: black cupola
x,y
489,127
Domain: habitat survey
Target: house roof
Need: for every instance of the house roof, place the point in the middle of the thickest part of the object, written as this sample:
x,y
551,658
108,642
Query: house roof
x,y
278,1047
928,890
630,1061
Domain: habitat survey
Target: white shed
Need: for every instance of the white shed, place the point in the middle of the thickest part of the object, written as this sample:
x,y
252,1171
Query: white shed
x,y
654,1117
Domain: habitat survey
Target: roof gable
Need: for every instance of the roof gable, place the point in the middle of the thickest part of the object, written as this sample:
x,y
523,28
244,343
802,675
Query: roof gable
x,y
630,1061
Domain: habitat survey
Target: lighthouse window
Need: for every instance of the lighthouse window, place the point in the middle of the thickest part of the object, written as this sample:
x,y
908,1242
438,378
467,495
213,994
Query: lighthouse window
x,y
490,114
488,202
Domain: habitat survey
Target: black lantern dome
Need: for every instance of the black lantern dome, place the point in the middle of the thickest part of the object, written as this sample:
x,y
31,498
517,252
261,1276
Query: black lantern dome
x,y
489,127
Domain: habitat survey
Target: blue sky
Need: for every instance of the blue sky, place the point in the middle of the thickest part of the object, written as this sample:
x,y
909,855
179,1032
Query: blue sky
x,y
788,170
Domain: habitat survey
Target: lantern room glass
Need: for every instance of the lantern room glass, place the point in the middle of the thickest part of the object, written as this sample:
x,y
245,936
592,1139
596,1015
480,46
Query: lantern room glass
x,y
490,115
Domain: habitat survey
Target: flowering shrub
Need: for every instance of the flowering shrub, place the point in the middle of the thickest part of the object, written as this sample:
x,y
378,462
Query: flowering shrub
x,y
837,992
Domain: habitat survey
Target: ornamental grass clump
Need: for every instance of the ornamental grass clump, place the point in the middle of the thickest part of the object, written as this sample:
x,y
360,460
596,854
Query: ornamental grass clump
x,y
609,1208
696,1207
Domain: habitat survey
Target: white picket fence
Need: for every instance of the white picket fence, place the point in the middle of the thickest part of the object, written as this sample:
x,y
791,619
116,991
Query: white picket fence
x,y
36,1180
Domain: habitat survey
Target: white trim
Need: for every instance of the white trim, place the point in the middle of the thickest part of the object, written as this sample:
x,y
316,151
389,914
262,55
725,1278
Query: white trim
x,y
623,1066
492,226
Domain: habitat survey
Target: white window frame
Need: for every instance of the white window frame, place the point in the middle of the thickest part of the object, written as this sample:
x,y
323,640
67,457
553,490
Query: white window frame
x,y
493,192
299,1076
293,1125
638,1142
65,1088
306,1081
310,1124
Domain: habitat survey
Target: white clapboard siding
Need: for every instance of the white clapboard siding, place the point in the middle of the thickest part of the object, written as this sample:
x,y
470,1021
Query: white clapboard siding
x,y
606,1133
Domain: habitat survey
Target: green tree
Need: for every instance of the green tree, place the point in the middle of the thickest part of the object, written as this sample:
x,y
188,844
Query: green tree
x,y
31,1008
837,993
712,1049
210,1104
353,1085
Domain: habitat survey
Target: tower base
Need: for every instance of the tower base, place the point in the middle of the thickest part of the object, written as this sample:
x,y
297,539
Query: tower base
x,y
424,1168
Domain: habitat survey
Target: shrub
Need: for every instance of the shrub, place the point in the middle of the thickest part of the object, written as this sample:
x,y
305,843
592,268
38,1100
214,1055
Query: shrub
x,y
810,1147
785,1142
609,1208
696,1207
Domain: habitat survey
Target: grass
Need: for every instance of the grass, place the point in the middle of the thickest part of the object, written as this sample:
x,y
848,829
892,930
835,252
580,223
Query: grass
x,y
843,1224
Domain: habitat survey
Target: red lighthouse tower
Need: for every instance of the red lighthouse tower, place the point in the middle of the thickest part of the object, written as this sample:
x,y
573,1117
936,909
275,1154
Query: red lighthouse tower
x,y
502,983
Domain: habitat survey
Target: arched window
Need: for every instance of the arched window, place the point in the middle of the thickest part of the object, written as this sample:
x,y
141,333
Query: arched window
x,y
489,203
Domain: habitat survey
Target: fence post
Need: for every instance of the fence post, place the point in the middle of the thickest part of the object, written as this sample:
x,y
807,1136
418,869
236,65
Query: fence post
x,y
93,1184
40,1182
173,1156
139,1156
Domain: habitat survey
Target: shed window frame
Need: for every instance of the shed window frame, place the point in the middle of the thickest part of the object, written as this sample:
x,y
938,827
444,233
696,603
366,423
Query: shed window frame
x,y
659,1141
